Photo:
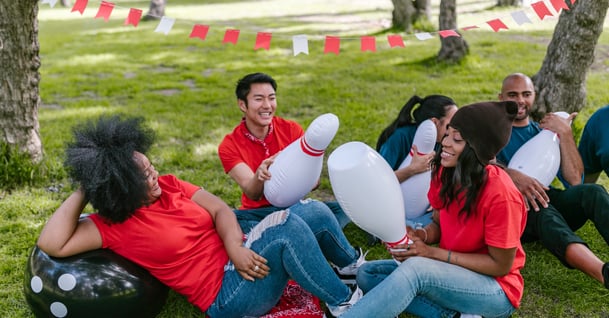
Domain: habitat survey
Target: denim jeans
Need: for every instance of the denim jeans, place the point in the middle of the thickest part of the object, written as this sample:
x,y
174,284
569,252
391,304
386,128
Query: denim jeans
x,y
319,218
292,252
340,215
422,220
568,211
427,288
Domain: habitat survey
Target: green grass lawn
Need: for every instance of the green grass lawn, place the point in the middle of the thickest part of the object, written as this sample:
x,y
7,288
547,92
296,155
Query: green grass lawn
x,y
185,89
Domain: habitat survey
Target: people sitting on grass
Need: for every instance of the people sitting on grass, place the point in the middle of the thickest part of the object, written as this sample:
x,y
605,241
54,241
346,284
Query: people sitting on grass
x,y
186,237
479,216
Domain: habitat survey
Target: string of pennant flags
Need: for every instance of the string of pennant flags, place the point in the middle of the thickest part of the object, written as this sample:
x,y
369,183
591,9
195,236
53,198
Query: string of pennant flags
x,y
300,43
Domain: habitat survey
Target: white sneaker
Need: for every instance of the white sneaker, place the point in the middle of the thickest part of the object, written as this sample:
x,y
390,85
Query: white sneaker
x,y
347,273
469,316
340,309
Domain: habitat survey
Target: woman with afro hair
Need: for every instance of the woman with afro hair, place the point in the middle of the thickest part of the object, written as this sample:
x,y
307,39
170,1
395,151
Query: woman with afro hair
x,y
183,235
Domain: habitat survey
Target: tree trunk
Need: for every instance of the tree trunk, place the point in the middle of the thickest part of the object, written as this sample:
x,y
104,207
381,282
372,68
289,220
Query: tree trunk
x,y
156,10
408,12
453,48
561,80
403,15
422,10
508,3
19,76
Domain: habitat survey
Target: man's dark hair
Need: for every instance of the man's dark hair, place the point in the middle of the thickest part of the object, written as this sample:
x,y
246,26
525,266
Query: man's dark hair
x,y
244,84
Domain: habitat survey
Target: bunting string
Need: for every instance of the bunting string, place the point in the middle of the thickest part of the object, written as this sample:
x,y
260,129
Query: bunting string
x,y
540,10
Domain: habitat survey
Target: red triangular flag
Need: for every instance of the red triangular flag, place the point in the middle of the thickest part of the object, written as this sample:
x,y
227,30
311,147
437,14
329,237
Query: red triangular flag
x,y
231,36
80,6
470,27
541,9
134,17
559,4
332,44
395,40
105,9
199,31
263,41
368,43
447,33
497,25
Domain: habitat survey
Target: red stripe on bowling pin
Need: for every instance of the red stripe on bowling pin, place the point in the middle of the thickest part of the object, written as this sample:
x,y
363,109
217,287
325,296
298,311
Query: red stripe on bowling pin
x,y
306,148
403,240
411,153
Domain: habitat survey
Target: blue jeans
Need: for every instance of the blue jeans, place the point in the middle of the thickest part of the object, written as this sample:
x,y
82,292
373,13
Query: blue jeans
x,y
340,215
320,219
423,220
427,288
292,252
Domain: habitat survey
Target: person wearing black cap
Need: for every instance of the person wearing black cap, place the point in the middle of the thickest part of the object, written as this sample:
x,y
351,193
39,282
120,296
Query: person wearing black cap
x,y
556,214
479,216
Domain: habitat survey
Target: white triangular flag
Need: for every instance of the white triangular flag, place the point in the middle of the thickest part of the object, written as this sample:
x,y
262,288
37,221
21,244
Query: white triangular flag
x,y
165,25
300,44
520,17
423,36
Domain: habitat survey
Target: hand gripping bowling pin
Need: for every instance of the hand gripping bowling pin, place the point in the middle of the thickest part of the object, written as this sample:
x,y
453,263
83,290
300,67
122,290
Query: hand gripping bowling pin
x,y
540,156
415,188
368,191
297,168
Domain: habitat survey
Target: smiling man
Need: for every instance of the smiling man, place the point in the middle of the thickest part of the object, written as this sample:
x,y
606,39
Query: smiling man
x,y
248,151
556,214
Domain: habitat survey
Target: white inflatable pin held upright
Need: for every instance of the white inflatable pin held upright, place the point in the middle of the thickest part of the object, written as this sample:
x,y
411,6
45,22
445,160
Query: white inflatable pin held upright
x,y
297,168
540,156
415,188
368,191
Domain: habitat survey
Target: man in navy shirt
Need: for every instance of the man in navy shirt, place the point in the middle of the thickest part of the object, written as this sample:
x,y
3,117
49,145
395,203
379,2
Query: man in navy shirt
x,y
594,145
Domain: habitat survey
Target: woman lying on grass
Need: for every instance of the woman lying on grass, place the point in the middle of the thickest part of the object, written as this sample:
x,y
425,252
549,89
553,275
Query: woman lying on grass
x,y
186,237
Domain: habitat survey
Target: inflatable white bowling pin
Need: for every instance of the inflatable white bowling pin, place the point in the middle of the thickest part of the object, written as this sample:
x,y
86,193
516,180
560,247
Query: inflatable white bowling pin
x,y
297,168
368,191
540,156
415,188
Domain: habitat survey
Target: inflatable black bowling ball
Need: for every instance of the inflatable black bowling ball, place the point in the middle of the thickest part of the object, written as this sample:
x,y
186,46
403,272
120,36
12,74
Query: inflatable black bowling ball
x,y
97,283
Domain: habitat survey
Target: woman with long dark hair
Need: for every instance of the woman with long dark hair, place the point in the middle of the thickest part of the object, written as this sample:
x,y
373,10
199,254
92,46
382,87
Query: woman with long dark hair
x,y
396,140
479,216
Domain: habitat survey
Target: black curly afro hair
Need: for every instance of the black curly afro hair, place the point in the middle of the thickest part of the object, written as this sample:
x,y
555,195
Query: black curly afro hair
x,y
101,161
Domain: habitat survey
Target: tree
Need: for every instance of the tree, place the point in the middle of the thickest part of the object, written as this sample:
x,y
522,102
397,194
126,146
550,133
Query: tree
x,y
19,76
156,10
453,48
508,3
408,12
561,81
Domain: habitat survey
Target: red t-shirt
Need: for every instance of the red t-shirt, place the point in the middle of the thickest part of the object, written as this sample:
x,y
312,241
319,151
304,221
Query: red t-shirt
x,y
499,221
237,147
175,239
